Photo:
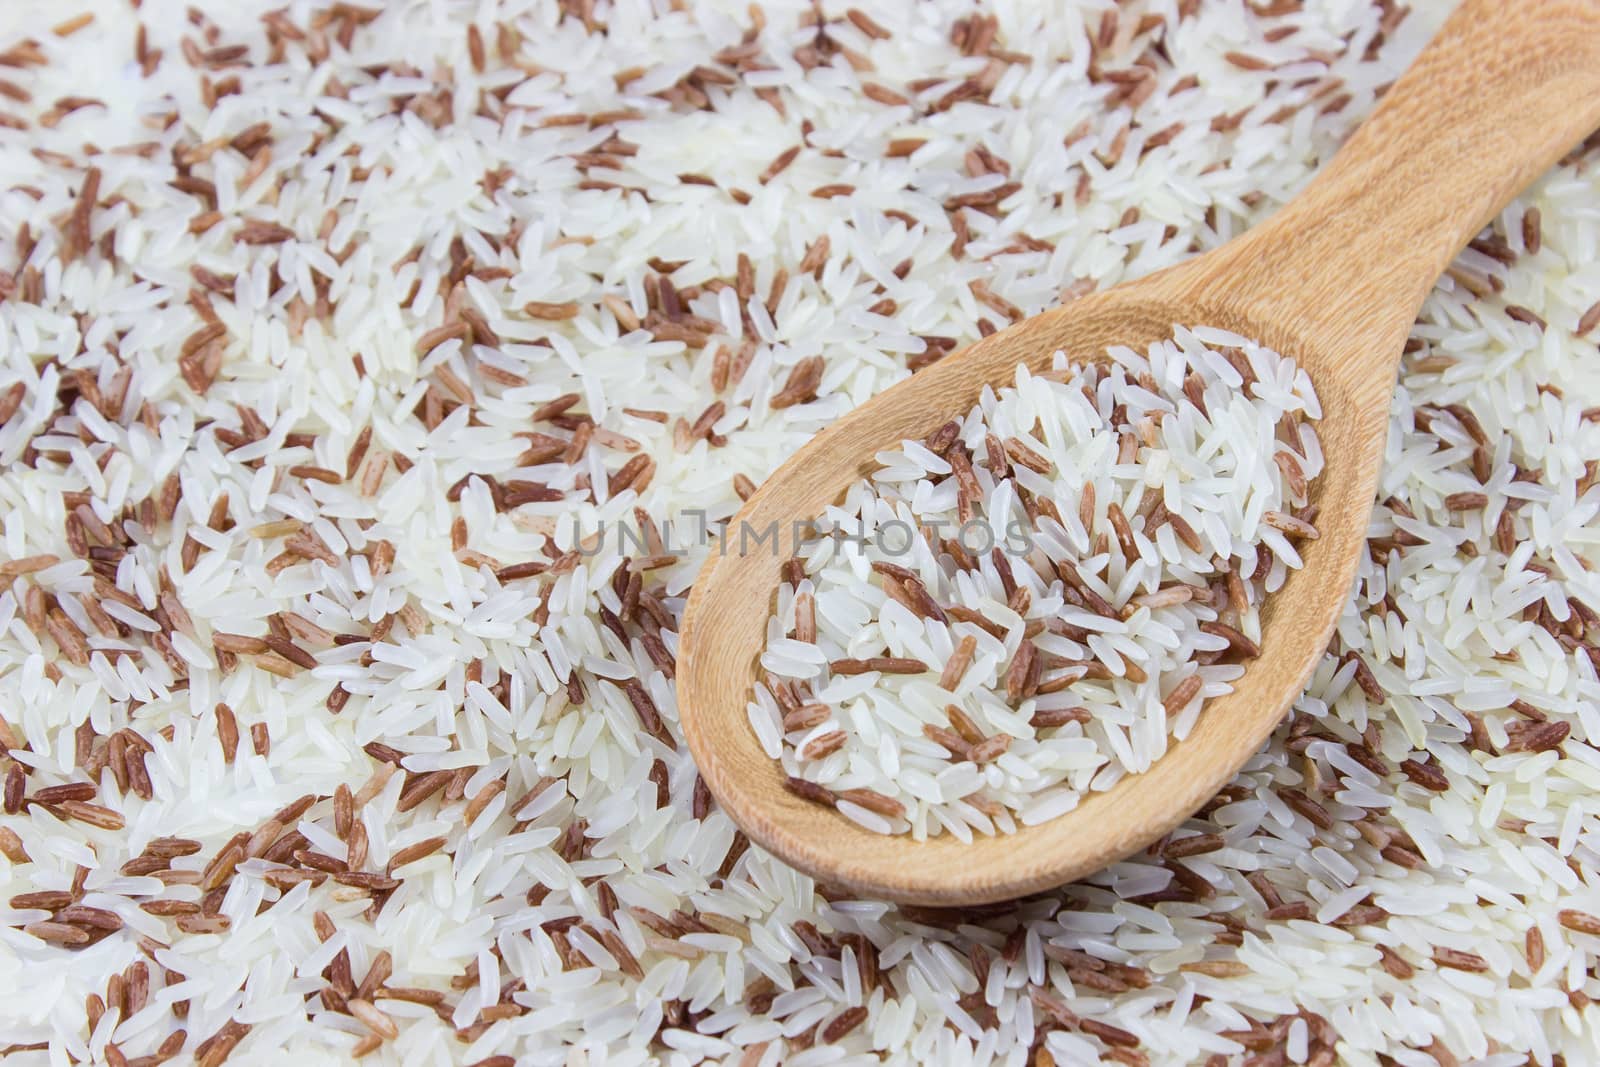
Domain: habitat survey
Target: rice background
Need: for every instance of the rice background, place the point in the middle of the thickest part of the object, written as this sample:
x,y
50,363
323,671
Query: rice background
x,y
1409,874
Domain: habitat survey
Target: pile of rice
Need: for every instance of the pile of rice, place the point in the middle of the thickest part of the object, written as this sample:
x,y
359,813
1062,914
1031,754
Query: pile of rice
x,y
1020,609
327,733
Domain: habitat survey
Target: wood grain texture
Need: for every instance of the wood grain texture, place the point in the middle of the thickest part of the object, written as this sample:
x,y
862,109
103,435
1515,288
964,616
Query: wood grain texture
x,y
1334,280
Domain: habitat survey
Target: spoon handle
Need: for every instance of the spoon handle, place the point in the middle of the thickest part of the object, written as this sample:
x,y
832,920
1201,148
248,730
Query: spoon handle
x,y
1502,92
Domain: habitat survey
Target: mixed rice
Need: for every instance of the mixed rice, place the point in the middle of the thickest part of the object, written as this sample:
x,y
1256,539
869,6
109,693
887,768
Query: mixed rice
x,y
1022,608
331,332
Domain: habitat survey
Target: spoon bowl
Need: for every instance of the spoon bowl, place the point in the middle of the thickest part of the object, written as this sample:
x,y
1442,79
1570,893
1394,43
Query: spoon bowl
x,y
1333,281
1296,623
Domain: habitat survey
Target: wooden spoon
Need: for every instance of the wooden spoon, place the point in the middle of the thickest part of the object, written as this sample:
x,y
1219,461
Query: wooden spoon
x,y
1333,280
